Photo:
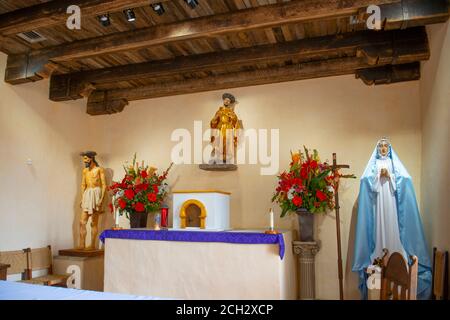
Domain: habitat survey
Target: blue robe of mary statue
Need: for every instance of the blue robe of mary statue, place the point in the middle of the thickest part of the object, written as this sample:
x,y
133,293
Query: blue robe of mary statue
x,y
388,217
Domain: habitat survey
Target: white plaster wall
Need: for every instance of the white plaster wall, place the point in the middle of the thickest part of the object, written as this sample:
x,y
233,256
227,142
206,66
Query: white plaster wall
x,y
435,101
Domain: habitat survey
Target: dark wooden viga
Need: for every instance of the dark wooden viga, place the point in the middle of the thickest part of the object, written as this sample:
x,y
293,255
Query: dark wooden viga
x,y
398,280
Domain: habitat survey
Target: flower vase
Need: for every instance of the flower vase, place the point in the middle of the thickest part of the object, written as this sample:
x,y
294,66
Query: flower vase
x,y
138,219
306,225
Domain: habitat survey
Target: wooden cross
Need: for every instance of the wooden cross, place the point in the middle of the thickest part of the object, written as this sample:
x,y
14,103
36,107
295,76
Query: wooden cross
x,y
335,167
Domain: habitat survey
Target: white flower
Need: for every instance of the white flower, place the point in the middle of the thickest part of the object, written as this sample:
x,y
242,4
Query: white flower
x,y
290,194
163,188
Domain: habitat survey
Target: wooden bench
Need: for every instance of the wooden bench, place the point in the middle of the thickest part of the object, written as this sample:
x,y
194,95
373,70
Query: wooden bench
x,y
42,259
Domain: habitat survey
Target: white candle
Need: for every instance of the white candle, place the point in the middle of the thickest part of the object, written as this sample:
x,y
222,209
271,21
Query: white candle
x,y
116,213
271,219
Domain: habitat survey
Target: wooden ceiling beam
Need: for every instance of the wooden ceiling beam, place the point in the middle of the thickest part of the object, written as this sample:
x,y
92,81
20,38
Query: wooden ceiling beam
x,y
365,43
203,27
331,67
310,70
55,12
389,74
106,106
411,13
226,81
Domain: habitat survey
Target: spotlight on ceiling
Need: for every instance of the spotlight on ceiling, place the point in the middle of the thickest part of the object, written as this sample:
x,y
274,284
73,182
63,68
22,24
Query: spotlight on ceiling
x,y
104,20
158,8
129,14
192,3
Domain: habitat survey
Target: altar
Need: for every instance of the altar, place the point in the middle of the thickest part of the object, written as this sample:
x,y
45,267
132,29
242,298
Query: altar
x,y
200,265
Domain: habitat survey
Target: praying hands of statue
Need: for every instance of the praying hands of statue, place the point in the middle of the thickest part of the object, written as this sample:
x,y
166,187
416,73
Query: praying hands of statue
x,y
384,173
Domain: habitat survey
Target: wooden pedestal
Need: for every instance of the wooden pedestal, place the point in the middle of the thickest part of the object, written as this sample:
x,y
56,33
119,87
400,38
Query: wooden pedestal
x,y
88,268
218,167
81,253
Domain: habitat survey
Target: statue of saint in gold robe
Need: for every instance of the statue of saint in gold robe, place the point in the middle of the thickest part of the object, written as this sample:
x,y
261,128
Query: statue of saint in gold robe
x,y
224,132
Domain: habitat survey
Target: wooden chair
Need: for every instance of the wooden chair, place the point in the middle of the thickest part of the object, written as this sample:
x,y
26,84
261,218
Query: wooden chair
x,y
398,280
3,270
40,259
440,275
17,261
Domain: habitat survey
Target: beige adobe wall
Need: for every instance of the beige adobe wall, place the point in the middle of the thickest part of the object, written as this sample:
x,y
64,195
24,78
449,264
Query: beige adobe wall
x,y
435,101
39,202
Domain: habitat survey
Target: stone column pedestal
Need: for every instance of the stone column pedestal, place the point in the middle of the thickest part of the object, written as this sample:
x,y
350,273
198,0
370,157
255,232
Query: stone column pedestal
x,y
306,252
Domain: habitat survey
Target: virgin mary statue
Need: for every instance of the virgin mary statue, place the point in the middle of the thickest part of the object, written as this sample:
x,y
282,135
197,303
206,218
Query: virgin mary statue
x,y
388,217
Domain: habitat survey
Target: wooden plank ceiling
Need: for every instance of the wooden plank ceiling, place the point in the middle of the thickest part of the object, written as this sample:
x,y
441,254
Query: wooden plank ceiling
x,y
218,44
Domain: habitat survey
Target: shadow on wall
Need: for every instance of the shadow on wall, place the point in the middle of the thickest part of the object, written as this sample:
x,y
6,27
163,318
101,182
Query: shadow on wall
x,y
107,220
351,278
77,199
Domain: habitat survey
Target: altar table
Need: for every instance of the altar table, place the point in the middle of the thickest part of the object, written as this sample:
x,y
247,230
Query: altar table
x,y
200,265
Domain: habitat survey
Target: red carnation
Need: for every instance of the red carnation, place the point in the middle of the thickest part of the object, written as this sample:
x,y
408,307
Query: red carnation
x,y
122,204
313,164
141,187
151,197
129,194
139,207
304,173
114,186
297,201
321,196
155,188
144,174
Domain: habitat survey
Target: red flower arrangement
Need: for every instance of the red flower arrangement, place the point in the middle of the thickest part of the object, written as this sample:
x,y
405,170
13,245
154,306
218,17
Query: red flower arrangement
x,y
309,185
141,190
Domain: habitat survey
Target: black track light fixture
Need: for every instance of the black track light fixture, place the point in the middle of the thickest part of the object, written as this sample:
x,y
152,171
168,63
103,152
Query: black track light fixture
x,y
192,3
104,20
158,8
129,15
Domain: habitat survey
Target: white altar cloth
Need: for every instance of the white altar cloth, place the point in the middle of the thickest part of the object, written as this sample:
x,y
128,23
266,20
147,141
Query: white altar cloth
x,y
200,270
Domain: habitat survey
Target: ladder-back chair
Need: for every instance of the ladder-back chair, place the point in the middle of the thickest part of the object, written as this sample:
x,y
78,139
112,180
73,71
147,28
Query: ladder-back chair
x,y
398,279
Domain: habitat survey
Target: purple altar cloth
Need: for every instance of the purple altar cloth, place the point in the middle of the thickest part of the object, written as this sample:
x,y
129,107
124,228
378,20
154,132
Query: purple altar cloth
x,y
197,236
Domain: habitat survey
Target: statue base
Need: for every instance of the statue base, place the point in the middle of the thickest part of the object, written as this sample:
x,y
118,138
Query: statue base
x,y
218,167
81,253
